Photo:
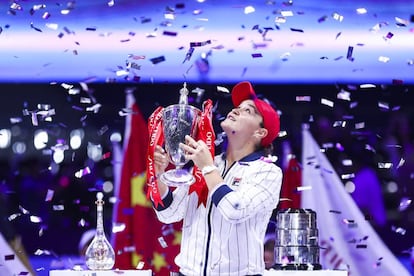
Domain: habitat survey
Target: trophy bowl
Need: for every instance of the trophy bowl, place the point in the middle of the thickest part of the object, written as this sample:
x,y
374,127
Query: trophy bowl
x,y
179,120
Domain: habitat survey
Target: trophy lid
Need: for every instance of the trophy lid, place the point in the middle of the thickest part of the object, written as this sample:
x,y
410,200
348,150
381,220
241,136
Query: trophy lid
x,y
183,94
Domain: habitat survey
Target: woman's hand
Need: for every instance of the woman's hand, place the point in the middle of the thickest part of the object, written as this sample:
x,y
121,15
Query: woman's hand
x,y
197,151
160,160
160,164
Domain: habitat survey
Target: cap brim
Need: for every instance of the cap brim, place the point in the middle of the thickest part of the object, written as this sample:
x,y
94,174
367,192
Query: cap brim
x,y
241,92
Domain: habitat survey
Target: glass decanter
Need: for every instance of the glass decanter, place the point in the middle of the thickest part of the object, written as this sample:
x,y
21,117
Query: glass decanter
x,y
100,255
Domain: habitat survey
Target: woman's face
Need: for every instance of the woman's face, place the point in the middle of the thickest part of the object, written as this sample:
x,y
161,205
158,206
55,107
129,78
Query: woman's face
x,y
242,120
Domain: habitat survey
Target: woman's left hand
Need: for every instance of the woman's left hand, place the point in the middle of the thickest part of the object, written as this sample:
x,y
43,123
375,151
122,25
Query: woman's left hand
x,y
197,151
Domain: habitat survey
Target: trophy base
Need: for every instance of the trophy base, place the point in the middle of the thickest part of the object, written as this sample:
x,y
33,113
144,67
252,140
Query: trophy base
x,y
177,178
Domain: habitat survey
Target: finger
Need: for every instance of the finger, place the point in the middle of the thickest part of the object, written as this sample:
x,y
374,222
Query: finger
x,y
187,148
190,141
160,149
201,143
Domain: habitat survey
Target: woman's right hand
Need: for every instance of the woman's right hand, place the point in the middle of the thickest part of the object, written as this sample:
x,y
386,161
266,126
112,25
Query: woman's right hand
x,y
160,164
160,160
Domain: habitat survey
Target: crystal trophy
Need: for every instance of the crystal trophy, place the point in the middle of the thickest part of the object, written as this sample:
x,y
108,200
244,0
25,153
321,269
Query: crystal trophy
x,y
100,255
179,120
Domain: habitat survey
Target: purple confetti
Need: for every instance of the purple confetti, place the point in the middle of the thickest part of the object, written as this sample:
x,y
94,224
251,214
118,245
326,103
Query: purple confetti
x,y
257,55
157,60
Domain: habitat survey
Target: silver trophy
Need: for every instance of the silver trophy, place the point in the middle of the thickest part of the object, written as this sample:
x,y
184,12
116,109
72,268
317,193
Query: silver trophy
x,y
179,120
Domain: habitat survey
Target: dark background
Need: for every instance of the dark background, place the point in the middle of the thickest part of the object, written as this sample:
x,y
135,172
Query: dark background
x,y
60,230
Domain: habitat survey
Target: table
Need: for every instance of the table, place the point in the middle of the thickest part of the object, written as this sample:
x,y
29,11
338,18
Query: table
x,y
149,273
100,273
305,273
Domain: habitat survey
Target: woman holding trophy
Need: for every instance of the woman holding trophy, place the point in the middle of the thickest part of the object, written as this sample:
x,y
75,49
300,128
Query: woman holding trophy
x,y
223,233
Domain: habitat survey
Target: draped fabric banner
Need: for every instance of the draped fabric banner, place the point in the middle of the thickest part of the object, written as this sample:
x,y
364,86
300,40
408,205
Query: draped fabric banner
x,y
346,238
10,263
140,241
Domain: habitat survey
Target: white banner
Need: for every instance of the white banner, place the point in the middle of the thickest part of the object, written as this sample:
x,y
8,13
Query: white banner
x,y
347,240
10,264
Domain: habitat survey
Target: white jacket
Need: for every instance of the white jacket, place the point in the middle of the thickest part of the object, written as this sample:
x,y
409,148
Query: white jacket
x,y
226,238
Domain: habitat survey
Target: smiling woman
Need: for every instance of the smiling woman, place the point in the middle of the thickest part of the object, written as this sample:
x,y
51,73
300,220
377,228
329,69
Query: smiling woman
x,y
154,41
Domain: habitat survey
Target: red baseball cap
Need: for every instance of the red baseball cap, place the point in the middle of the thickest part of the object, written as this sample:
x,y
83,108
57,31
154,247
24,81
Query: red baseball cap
x,y
244,91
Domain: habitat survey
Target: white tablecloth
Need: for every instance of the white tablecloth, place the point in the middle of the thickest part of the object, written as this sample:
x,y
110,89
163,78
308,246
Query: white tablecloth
x,y
100,273
149,273
305,273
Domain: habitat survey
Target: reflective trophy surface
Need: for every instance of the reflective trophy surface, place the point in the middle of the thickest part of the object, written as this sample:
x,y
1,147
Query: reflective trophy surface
x,y
179,120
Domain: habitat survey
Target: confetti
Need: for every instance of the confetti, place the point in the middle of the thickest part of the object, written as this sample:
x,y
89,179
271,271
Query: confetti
x,y
286,13
303,188
16,7
344,95
249,9
384,165
367,85
35,219
35,28
384,105
222,89
347,176
140,265
118,227
285,199
338,35
188,54
280,20
405,202
95,108
322,19
162,242
349,53
58,207
168,33
199,44
388,36
361,11
83,172
46,15
13,216
360,125
383,59
378,262
49,195
157,60
337,17
398,230
335,211
9,257
350,223
327,102
303,98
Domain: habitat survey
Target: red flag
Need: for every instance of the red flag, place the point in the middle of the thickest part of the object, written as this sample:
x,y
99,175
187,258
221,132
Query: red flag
x,y
143,242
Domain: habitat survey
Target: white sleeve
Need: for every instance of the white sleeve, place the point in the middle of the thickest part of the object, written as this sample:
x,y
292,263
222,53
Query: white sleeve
x,y
175,205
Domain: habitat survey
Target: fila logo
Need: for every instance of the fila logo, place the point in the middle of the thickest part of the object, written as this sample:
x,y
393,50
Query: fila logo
x,y
236,181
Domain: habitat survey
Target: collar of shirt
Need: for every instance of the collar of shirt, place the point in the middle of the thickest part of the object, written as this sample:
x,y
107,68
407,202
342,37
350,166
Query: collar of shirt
x,y
250,157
